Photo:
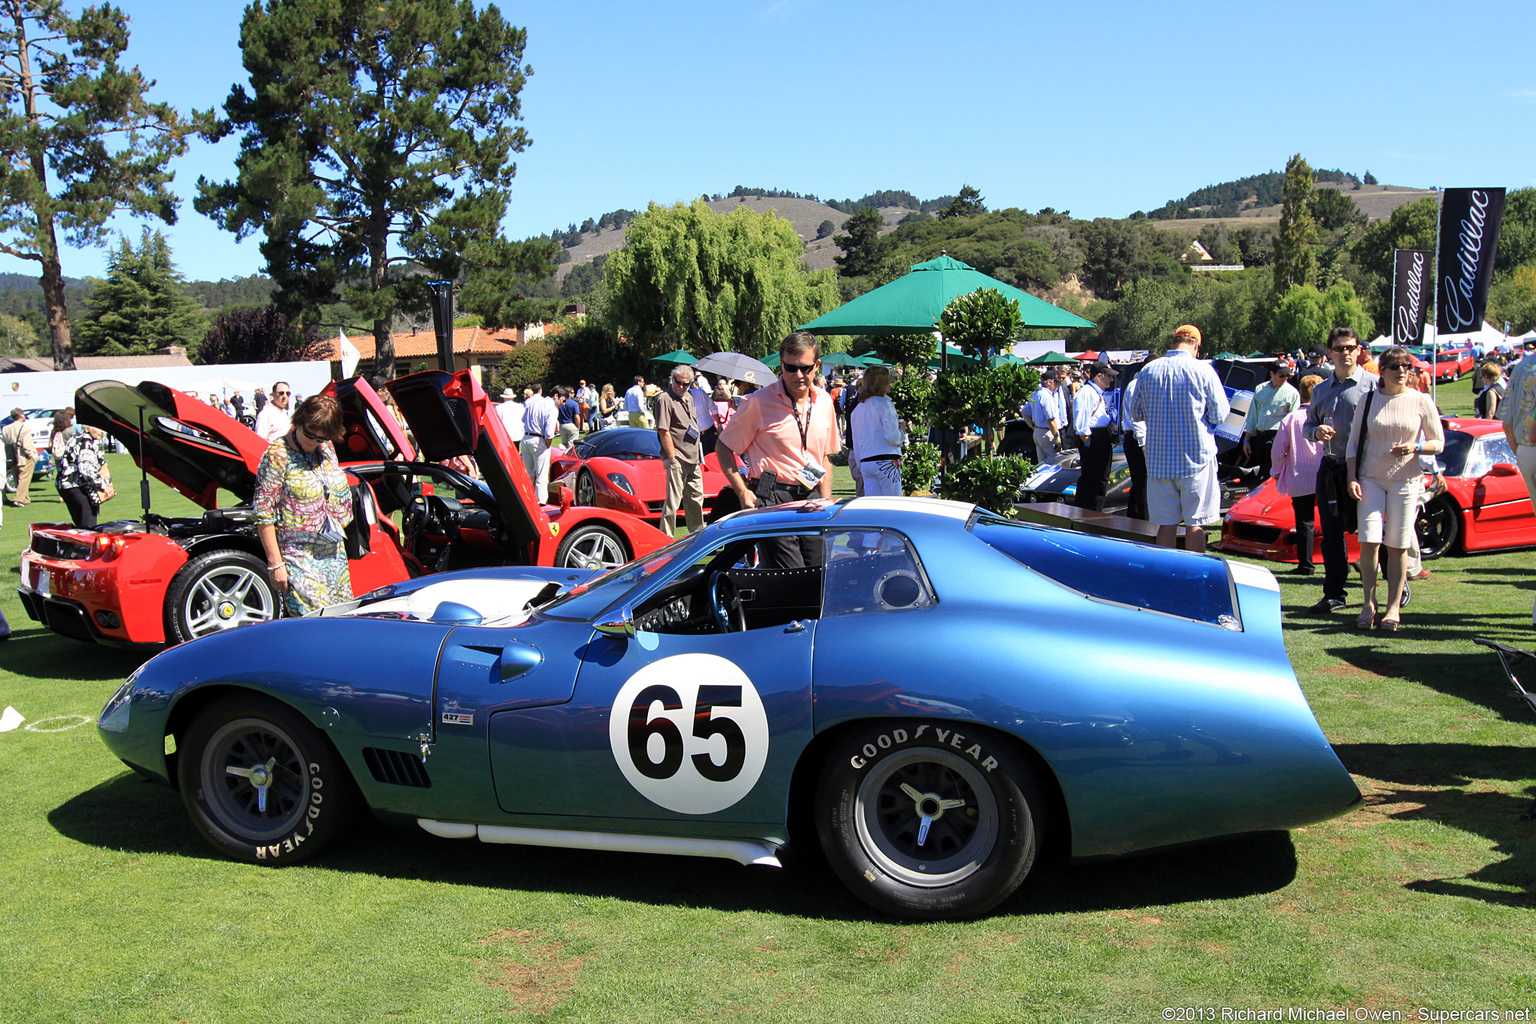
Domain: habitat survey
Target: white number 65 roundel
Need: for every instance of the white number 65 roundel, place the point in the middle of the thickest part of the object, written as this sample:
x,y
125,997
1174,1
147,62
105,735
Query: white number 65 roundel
x,y
689,733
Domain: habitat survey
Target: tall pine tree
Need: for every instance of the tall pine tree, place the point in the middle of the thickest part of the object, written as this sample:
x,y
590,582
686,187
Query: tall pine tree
x,y
1295,259
141,307
377,135
79,141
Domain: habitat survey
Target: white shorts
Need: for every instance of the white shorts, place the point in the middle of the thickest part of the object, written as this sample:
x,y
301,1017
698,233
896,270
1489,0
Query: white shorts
x,y
1196,500
1387,511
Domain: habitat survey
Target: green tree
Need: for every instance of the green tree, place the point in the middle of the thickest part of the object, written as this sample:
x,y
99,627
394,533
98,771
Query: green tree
x,y
79,141
377,134
1304,316
979,321
1333,210
141,306
17,338
1411,226
688,277
1517,232
1513,298
967,204
1295,262
1370,179
862,247
525,365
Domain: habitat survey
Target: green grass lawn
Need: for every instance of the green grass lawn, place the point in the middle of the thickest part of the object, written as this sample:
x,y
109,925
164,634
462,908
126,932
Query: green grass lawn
x,y
115,910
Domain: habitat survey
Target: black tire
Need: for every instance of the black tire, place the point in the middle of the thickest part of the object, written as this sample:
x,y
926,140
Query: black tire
x,y
877,783
586,488
216,591
1438,527
592,546
309,799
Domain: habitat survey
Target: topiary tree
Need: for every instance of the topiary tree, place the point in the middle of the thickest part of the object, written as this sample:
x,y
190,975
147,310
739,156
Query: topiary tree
x,y
987,397
980,321
993,483
904,349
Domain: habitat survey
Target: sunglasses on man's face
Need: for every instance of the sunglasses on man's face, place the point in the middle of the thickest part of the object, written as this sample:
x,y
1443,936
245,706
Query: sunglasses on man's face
x,y
806,370
280,394
1345,348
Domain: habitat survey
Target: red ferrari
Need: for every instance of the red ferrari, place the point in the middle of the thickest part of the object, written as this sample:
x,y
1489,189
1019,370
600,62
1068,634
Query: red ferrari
x,y
1484,506
1452,364
621,469
159,579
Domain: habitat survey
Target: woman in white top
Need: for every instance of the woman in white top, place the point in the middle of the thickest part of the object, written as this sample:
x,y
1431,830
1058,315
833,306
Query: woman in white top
x,y
1385,478
876,434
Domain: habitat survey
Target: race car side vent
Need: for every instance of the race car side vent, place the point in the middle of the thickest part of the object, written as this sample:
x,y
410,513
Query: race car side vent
x,y
396,767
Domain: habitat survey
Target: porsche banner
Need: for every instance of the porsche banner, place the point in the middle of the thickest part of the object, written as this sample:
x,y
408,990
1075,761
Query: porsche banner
x,y
1469,238
1410,294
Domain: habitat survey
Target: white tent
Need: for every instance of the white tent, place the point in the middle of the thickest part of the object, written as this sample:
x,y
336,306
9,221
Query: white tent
x,y
1488,337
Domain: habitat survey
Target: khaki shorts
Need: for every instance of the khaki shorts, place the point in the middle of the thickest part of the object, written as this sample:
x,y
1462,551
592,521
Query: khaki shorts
x,y
1196,500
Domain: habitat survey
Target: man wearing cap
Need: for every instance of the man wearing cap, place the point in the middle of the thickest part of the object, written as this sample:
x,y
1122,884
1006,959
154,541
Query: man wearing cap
x,y
511,413
1095,427
1272,402
1043,412
1182,401
785,433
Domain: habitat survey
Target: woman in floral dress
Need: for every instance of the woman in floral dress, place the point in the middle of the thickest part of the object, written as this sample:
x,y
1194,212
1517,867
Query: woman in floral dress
x,y
302,505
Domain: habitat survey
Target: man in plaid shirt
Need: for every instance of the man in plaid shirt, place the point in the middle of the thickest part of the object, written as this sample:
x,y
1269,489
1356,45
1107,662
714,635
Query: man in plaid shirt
x,y
1182,401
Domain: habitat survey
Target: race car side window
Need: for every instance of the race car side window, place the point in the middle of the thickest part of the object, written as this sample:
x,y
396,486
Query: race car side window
x,y
873,571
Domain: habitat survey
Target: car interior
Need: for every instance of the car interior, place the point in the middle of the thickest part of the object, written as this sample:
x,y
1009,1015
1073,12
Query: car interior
x,y
728,589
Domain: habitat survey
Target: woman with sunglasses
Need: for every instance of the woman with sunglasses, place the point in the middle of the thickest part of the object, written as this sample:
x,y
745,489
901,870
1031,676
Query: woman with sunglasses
x,y
1385,478
302,506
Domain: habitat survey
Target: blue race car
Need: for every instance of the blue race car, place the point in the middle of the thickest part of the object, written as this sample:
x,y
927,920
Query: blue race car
x,y
936,693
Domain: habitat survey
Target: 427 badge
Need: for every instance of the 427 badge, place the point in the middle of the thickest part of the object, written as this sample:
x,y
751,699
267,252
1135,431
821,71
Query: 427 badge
x,y
689,733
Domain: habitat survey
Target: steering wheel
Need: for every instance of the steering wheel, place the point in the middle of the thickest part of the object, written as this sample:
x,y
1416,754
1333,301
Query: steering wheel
x,y
725,603
418,516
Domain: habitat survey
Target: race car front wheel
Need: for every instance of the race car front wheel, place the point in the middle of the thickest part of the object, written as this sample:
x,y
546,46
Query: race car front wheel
x,y
261,783
216,591
1438,526
928,819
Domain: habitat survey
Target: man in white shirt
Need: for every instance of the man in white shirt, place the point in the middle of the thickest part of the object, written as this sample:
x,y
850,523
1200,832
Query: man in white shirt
x,y
274,420
511,413
541,422
634,404
1045,415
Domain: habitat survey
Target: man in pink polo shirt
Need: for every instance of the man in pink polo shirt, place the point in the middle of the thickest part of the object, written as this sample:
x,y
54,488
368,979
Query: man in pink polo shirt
x,y
785,434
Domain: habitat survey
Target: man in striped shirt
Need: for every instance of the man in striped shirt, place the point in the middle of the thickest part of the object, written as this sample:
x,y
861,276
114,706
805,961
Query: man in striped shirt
x,y
1182,401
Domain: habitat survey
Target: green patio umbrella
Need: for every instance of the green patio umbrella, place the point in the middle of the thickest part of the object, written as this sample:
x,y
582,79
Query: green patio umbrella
x,y
1006,359
676,356
912,304
872,360
839,359
1051,359
771,361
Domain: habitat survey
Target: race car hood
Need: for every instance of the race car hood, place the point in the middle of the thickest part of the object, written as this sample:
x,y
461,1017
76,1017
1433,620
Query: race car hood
x,y
451,416
370,432
182,442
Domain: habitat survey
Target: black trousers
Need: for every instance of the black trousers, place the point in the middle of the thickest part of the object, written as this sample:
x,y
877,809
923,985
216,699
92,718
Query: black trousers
x,y
788,552
1335,512
1263,445
1093,481
1136,460
1303,506
82,510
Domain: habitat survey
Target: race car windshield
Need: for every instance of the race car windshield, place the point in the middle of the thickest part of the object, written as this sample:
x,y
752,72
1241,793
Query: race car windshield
x,y
587,600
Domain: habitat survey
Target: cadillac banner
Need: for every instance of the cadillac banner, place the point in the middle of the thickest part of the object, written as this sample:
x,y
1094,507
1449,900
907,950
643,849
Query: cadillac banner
x,y
1469,237
1410,295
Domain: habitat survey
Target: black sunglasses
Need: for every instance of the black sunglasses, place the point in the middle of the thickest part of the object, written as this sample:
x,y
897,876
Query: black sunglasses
x,y
809,368
312,437
1396,366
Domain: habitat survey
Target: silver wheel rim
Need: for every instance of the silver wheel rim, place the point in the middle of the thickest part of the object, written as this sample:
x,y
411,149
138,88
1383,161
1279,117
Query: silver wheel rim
x,y
225,598
889,816
595,550
254,779
586,490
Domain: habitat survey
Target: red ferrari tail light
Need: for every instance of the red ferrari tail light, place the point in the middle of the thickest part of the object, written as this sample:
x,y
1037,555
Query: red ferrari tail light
x,y
107,548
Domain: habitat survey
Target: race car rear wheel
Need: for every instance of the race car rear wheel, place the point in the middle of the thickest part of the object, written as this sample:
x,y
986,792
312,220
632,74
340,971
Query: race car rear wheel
x,y
926,819
217,591
261,783
1438,526
591,546
586,488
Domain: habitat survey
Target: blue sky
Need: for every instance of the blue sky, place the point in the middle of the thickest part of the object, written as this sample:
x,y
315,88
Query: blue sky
x,y
1096,107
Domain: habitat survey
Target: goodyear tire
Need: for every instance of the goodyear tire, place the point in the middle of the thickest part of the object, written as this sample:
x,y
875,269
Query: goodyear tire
x,y
261,783
591,546
925,819
216,591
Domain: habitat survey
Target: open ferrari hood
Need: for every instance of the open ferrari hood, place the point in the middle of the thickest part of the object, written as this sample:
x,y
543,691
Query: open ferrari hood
x,y
180,441
451,416
370,432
